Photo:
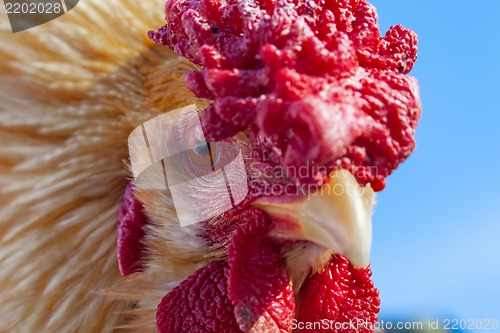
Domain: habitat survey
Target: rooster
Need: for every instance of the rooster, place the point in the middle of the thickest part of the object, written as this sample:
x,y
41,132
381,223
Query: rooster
x,y
289,86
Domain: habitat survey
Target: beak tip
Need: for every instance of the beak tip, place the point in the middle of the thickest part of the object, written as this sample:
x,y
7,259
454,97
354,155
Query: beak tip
x,y
359,260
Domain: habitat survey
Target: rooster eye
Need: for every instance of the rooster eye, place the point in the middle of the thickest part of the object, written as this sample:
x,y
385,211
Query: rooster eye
x,y
204,154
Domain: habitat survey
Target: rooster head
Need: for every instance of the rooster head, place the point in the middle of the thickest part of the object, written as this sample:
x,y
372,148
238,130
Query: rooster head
x,y
304,111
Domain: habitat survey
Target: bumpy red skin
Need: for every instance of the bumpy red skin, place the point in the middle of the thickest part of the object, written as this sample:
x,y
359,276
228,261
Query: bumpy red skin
x,y
341,295
131,220
314,79
251,292
199,304
259,287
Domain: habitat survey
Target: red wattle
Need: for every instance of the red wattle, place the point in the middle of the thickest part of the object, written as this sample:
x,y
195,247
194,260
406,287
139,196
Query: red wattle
x,y
251,292
259,287
342,296
199,304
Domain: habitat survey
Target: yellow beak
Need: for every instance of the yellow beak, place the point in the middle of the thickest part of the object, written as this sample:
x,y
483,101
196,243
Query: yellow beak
x,y
337,217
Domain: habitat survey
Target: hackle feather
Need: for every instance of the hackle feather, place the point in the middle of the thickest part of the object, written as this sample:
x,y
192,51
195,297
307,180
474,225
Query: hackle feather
x,y
71,91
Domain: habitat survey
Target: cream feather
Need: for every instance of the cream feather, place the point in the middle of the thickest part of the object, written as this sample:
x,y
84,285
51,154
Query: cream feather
x,y
71,91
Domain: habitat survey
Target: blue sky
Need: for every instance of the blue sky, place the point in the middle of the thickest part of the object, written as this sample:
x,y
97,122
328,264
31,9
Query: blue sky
x,y
437,224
